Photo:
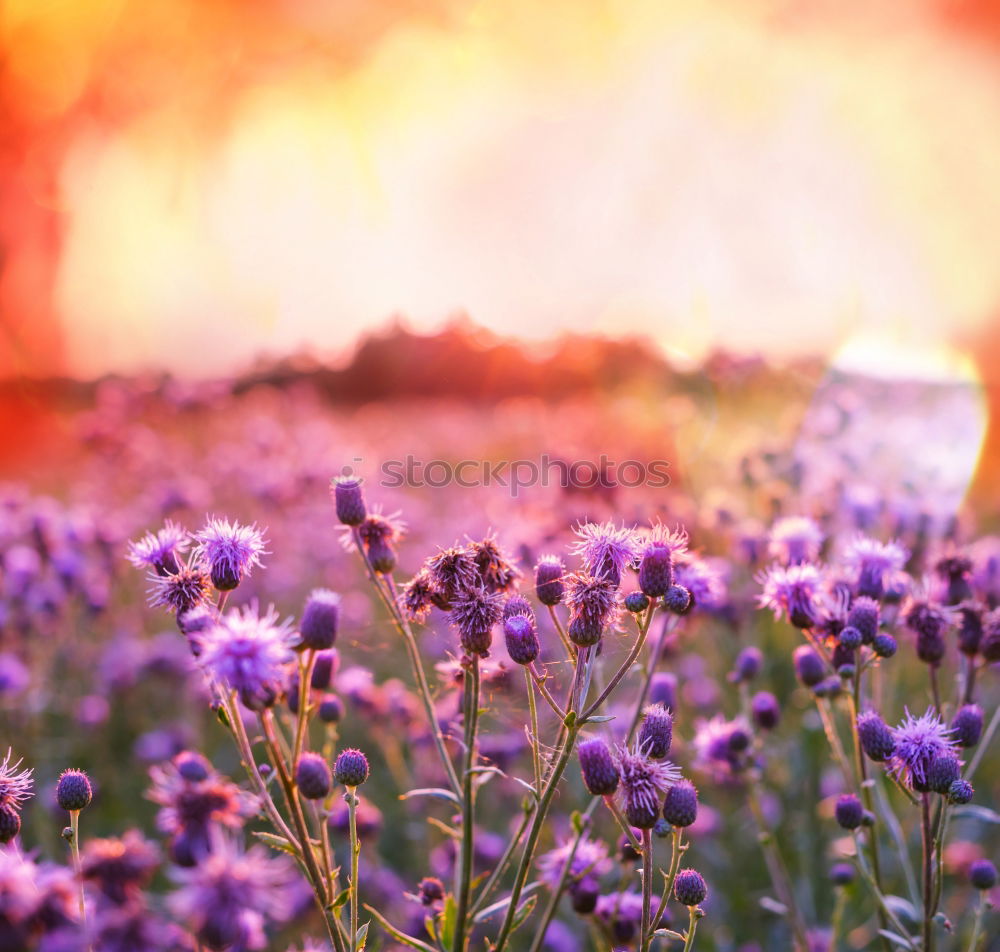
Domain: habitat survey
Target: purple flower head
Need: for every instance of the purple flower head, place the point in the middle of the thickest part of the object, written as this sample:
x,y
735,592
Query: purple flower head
x,y
452,572
593,607
120,867
622,914
320,619
549,585
791,591
874,564
643,783
180,591
228,897
600,773
929,621
313,776
30,892
864,615
15,784
943,772
247,650
970,629
419,596
704,581
663,689
794,539
848,811
517,605
809,665
955,570
656,566
521,639
765,710
351,768
496,572
989,646
884,645
967,725
722,747
656,732
591,857
348,500
875,736
378,534
689,888
680,808
747,665
606,550
230,551
918,742
73,791
474,614
160,551
982,874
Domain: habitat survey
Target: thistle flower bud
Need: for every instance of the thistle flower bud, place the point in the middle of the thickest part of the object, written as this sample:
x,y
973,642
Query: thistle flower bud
x,y
656,570
680,808
842,874
982,874
875,736
549,585
517,604
192,766
864,616
474,614
320,619
747,665
325,668
584,894
943,772
430,890
10,822
600,775
848,811
967,725
656,732
73,791
331,709
636,602
970,630
663,689
351,768
312,776
960,792
766,710
382,556
809,666
349,501
689,888
829,687
678,599
521,638
929,623
850,638
884,645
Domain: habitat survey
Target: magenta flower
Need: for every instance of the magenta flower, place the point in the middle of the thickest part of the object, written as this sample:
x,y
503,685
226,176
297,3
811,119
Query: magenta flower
x,y
230,551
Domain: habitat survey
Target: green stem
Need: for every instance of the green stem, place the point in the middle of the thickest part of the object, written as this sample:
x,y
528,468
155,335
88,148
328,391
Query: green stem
x,y
306,666
626,664
927,843
539,680
991,729
501,866
837,922
74,822
676,852
352,813
647,888
977,929
692,927
536,761
464,885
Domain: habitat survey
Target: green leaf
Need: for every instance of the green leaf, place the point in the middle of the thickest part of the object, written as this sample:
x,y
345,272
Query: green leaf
x,y
223,715
277,843
489,911
436,793
407,940
523,911
600,718
448,916
576,821
670,934
361,936
341,899
772,905
570,719
902,907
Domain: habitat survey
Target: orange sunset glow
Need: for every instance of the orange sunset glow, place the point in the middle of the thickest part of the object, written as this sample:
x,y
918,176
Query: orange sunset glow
x,y
194,184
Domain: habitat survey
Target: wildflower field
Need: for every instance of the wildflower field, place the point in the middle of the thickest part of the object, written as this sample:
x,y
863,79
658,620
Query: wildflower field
x,y
257,695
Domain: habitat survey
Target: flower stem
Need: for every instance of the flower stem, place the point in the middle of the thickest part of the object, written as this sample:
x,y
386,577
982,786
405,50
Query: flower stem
x,y
927,841
977,929
677,850
464,884
352,813
626,664
692,928
74,844
647,888
536,761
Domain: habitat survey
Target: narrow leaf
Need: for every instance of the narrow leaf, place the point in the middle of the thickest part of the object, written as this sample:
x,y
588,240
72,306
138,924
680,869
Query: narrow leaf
x,y
407,940
436,793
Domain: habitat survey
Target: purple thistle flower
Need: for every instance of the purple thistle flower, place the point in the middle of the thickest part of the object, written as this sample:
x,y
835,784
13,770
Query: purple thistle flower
x,y
593,607
918,742
606,550
591,857
15,785
703,579
643,783
689,888
182,590
320,619
247,651
549,584
791,591
680,808
73,791
600,773
929,622
765,710
982,874
656,732
967,725
794,539
120,867
348,499
230,551
496,572
419,596
864,615
875,736
474,614
160,550
874,564
517,605
721,746
989,646
521,639
229,896
451,572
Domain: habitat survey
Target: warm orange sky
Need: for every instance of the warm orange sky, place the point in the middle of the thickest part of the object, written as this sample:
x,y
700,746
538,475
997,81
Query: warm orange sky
x,y
193,182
